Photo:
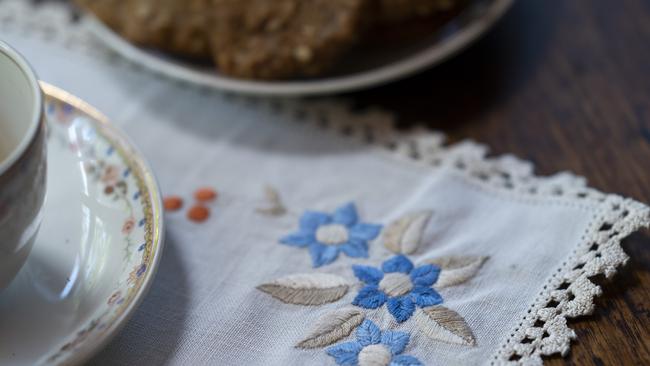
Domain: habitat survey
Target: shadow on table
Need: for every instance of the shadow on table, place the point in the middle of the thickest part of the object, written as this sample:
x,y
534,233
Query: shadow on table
x,y
153,334
488,73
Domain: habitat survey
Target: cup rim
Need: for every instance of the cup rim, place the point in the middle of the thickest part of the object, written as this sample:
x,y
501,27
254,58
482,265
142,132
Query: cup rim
x,y
37,108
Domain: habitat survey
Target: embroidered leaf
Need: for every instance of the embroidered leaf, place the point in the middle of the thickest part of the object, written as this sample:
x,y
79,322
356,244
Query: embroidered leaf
x,y
404,234
307,289
456,270
275,207
333,327
443,324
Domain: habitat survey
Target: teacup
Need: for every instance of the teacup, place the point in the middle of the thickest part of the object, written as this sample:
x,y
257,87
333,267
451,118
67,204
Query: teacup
x,y
22,161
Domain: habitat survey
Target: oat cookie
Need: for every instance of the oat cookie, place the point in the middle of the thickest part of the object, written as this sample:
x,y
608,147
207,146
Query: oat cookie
x,y
270,39
282,38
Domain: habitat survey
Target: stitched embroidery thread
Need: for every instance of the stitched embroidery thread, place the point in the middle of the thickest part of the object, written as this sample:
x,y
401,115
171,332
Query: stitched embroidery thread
x,y
408,291
275,206
307,288
399,285
404,235
445,325
374,347
327,235
333,327
457,269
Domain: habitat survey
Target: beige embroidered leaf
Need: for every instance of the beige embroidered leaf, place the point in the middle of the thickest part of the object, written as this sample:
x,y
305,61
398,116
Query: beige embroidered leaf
x,y
456,270
443,324
332,327
307,289
275,207
404,234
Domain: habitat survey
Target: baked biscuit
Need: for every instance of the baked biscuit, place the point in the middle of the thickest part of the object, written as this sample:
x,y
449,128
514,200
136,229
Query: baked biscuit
x,y
270,39
279,39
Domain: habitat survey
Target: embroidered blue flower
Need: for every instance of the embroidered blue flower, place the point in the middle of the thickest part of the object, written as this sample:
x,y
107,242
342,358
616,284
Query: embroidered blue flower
x,y
374,347
327,235
399,285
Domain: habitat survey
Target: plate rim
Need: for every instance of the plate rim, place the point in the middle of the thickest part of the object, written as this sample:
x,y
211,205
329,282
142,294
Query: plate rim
x,y
421,60
136,159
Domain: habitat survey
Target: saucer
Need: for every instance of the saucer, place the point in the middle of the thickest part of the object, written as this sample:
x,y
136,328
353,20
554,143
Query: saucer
x,y
98,247
361,70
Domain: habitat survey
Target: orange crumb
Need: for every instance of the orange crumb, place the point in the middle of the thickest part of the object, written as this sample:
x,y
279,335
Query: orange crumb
x,y
205,194
198,213
173,203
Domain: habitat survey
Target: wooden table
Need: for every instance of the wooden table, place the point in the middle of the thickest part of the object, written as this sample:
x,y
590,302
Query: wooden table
x,y
565,84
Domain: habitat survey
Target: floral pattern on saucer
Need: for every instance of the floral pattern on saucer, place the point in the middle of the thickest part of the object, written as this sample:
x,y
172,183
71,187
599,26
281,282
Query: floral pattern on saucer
x,y
117,178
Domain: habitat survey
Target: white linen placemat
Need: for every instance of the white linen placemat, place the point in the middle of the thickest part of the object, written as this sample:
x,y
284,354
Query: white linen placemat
x,y
380,247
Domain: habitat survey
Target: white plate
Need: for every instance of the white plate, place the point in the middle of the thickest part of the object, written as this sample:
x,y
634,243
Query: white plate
x,y
362,71
98,246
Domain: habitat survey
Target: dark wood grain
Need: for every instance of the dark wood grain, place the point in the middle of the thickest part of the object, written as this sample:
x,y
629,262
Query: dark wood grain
x,y
565,84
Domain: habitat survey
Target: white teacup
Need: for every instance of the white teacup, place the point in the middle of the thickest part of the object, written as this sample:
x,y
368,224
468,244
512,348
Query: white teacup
x,y
22,161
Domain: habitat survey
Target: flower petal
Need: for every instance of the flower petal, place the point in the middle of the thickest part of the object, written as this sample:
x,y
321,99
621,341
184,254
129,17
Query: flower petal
x,y
322,254
346,215
425,275
401,308
398,263
367,274
311,220
368,333
345,354
355,248
364,231
396,341
405,360
426,296
370,297
298,239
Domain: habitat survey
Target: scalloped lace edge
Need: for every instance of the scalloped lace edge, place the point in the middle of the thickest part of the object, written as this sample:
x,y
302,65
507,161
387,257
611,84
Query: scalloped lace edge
x,y
568,293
